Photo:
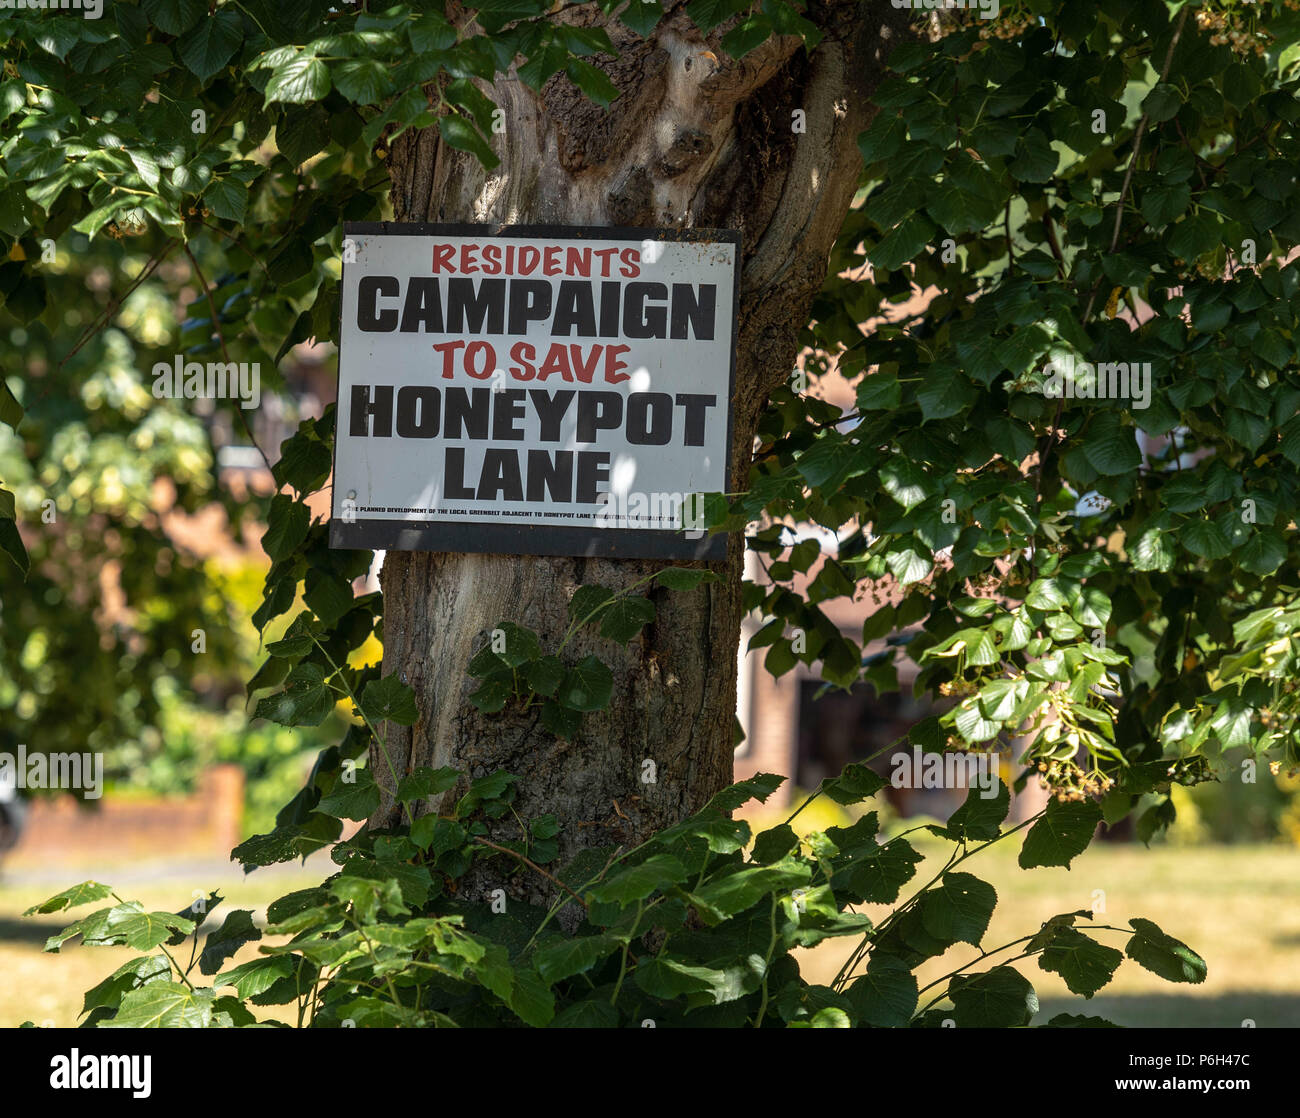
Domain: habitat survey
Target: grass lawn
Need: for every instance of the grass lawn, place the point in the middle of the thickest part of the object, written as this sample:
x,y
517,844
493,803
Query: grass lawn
x,y
47,988
1239,906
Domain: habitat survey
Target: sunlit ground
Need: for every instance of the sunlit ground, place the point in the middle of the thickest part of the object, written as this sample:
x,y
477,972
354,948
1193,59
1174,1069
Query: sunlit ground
x,y
1239,906
47,988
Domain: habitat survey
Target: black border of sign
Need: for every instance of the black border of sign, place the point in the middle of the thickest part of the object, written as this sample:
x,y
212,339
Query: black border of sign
x,y
538,539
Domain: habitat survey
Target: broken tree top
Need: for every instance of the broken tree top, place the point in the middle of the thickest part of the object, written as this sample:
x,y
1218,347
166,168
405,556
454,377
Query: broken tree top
x,y
534,390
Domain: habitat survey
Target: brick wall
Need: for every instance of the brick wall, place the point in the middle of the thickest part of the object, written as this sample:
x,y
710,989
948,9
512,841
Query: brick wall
x,y
204,825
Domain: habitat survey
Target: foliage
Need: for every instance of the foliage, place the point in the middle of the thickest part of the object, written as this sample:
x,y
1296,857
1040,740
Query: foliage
x,y
697,927
1103,182
1110,577
104,621
169,759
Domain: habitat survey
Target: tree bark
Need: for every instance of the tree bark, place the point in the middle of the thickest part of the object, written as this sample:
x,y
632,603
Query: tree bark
x,y
695,140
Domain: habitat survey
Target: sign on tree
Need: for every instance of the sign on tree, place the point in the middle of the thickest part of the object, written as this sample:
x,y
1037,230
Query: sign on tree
x,y
535,390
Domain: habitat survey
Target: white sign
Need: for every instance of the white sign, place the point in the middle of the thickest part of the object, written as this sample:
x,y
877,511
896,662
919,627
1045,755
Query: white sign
x,y
535,390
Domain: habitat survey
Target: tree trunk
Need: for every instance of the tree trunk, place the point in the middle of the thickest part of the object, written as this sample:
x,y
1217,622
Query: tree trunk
x,y
696,140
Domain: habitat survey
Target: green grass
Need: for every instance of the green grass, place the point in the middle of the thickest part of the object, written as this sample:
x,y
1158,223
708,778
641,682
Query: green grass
x,y
47,988
1238,906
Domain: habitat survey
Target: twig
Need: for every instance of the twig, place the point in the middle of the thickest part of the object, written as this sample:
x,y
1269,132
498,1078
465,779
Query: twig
x,y
113,304
534,866
221,340
1137,144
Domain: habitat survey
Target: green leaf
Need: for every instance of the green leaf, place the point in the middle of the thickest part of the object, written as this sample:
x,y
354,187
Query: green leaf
x,y
1111,448
532,999
908,565
944,394
228,199
568,957
142,930
1001,998
559,720
684,578
389,699
431,32
298,80
1035,159
587,685
708,14
642,16
519,644
544,676
437,835
1205,538
958,908
425,782
876,873
758,787
1166,203
1085,964
749,34
163,1005
363,81
879,392
721,898
588,601
885,996
257,975
11,543
11,411
980,818
139,971
174,16
588,1014
959,211
287,523
1045,594
1162,103
625,617
208,48
462,135
86,893
856,783
906,482
1154,550
973,726
1161,954
93,930
305,700
903,244
1064,832
667,977
304,460
637,882
236,930
1263,553
594,82
358,799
